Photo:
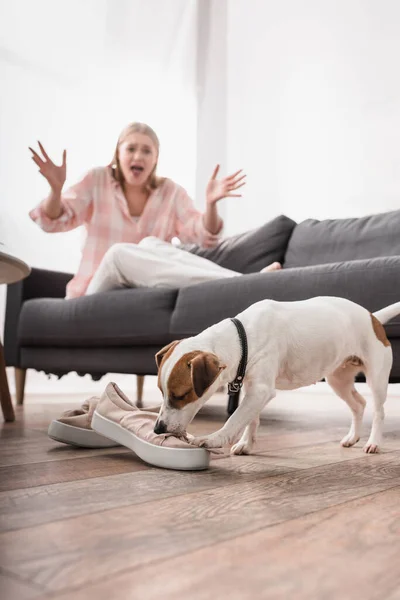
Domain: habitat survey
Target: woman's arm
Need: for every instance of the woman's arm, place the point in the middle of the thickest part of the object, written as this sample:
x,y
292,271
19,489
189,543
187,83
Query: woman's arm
x,y
215,191
212,220
61,211
52,205
68,210
55,176
193,227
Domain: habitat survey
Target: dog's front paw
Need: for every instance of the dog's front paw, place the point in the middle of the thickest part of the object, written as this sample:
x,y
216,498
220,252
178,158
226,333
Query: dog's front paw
x,y
244,447
209,441
349,440
371,448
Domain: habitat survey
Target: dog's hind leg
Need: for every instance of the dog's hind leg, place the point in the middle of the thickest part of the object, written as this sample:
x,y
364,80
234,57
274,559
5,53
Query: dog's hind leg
x,y
246,442
342,383
377,379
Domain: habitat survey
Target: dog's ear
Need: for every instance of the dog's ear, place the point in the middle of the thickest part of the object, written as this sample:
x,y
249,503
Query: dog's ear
x,y
205,368
162,353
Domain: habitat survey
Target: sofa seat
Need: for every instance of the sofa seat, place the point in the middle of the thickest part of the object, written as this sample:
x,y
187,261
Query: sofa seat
x,y
373,283
119,318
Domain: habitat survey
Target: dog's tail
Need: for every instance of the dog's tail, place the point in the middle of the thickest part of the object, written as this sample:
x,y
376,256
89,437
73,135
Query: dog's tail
x,y
385,314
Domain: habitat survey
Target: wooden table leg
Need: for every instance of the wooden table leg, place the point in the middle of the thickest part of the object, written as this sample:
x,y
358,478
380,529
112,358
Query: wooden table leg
x,y
5,398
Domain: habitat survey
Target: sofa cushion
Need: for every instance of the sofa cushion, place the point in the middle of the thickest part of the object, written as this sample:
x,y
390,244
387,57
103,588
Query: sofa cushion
x,y
372,283
334,240
139,316
253,250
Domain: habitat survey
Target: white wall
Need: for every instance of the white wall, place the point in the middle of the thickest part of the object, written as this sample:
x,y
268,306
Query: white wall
x,y
211,93
313,107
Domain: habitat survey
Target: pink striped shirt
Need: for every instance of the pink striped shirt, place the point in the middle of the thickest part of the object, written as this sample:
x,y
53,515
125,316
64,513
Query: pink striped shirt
x,y
98,203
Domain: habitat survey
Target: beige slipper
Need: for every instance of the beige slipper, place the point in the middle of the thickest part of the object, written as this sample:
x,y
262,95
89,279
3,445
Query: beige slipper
x,y
119,420
74,428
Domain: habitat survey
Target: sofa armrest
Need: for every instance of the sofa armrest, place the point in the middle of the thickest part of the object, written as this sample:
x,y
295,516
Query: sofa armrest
x,y
39,284
372,283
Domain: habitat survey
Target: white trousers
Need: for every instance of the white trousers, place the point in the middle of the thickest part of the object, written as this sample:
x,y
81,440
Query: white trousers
x,y
153,263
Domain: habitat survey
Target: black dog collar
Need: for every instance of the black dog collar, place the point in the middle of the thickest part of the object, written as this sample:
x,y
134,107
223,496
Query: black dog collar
x,y
235,385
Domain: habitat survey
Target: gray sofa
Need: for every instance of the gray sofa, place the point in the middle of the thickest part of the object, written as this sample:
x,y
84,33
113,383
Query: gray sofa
x,y
120,331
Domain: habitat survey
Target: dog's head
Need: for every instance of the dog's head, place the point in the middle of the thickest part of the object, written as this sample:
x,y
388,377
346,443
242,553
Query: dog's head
x,y
184,379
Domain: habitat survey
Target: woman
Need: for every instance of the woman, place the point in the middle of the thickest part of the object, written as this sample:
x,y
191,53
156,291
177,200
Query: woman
x,y
128,211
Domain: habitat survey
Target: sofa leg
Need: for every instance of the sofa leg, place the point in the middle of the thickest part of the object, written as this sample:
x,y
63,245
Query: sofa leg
x,y
139,389
20,377
5,398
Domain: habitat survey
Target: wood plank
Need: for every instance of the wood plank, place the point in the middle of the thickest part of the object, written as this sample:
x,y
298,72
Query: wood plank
x,y
31,427
305,456
79,551
41,448
33,506
12,589
346,553
32,421
37,447
33,415
10,432
47,473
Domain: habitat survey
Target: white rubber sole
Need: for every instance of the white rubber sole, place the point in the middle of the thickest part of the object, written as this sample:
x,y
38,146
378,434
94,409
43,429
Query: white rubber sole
x,y
77,436
182,459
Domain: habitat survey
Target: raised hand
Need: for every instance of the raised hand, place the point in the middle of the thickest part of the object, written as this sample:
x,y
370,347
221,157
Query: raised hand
x,y
54,174
223,188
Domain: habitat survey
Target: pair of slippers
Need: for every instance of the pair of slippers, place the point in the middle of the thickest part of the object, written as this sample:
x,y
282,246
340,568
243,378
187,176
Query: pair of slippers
x,y
113,420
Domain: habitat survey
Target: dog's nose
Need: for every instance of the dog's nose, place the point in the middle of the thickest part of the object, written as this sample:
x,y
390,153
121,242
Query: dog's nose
x,y
160,427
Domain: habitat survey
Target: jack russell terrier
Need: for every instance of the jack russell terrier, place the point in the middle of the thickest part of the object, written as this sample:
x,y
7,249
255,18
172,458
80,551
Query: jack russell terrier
x,y
290,345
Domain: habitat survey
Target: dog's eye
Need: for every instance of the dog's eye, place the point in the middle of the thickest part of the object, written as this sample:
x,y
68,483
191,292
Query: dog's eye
x,y
178,398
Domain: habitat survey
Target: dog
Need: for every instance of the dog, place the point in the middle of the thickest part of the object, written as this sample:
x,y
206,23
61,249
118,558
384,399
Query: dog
x,y
290,345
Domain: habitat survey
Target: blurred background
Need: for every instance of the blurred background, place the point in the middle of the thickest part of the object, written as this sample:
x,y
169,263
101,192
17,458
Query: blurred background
x,y
304,96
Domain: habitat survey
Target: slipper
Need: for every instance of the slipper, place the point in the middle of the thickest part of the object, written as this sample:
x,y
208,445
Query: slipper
x,y
116,418
74,428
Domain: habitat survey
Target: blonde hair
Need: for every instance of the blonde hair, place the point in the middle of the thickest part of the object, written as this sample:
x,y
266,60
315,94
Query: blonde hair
x,y
153,181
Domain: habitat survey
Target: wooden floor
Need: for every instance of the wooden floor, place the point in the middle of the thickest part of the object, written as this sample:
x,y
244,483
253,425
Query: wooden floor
x,y
301,519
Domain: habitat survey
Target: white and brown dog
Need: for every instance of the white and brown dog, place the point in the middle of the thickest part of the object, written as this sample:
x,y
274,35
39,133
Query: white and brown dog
x,y
290,345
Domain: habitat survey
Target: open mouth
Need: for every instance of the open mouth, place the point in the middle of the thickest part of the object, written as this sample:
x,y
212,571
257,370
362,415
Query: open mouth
x,y
137,169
